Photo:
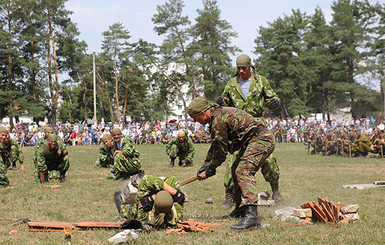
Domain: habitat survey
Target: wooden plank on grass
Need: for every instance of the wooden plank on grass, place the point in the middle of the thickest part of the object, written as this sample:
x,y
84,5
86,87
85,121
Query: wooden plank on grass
x,y
90,225
49,226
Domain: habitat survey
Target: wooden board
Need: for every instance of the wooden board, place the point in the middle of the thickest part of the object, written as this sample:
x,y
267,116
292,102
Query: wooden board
x,y
49,226
91,225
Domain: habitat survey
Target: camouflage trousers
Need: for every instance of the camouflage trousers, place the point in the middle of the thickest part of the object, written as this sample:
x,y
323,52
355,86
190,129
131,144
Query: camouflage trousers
x,y
123,167
54,169
360,148
250,158
182,156
3,174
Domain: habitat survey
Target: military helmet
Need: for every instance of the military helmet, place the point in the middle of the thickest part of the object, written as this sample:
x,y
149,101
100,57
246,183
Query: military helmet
x,y
163,202
106,137
49,130
3,130
181,133
116,131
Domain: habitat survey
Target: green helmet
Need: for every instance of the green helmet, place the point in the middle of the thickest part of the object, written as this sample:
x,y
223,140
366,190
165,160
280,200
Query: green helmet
x,y
163,202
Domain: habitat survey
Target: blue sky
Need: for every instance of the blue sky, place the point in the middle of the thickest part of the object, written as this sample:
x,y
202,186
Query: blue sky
x,y
93,17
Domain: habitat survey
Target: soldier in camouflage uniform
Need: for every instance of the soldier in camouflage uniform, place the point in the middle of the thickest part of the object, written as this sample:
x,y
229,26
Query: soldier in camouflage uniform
x,y
361,144
158,202
106,158
13,151
252,93
126,157
4,163
343,143
330,147
377,143
234,130
50,158
181,147
43,141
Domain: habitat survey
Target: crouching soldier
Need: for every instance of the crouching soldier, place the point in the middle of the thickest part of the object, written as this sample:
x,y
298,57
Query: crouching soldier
x,y
126,157
4,182
181,147
106,158
50,158
158,202
12,151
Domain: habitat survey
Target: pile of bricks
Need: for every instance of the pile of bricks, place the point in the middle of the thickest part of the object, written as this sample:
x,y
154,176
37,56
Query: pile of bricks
x,y
326,211
191,225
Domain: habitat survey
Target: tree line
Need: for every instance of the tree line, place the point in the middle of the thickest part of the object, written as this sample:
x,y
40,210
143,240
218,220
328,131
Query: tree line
x,y
314,66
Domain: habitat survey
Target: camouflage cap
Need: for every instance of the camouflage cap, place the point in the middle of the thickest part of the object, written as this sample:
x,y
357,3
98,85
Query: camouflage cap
x,y
52,137
116,131
243,60
106,137
181,133
3,130
198,106
49,130
163,202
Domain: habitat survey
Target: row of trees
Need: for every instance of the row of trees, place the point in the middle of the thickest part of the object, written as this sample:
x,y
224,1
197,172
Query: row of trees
x,y
314,66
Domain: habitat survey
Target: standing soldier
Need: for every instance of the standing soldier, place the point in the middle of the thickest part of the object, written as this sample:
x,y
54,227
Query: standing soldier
x,y
4,163
106,158
126,157
50,158
234,130
13,150
181,147
252,93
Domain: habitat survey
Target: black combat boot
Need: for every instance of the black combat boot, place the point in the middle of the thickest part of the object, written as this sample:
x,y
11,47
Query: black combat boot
x,y
228,203
238,212
62,177
172,162
251,220
276,194
14,168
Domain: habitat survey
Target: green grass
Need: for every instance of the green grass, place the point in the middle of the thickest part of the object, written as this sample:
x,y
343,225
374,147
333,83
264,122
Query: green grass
x,y
88,196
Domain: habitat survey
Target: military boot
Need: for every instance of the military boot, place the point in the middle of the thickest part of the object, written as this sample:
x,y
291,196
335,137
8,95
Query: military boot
x,y
251,220
62,177
238,212
276,194
172,162
228,203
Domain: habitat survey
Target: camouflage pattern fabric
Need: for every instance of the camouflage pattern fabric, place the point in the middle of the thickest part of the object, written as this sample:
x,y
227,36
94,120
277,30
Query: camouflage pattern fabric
x,y
151,185
255,105
362,146
126,163
42,141
50,161
3,169
105,158
15,153
234,130
184,151
259,90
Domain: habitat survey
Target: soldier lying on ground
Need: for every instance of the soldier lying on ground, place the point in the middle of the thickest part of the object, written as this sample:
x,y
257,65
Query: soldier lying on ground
x,y
158,200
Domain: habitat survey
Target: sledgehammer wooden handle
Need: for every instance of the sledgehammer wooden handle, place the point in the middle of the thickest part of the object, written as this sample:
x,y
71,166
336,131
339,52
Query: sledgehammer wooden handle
x,y
188,180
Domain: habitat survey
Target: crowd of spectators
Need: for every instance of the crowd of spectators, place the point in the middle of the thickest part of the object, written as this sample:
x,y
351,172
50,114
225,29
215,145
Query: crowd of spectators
x,y
155,132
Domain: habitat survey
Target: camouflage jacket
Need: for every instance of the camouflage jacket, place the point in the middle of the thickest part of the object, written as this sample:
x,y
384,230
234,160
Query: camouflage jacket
x,y
13,150
105,154
151,185
230,129
127,147
187,148
46,158
61,145
259,90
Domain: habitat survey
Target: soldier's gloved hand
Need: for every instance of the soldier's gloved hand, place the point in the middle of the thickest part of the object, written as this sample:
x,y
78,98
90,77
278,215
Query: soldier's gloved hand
x,y
272,102
210,171
147,203
221,100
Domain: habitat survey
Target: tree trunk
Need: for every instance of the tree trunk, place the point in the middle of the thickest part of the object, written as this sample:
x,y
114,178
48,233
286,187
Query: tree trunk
x,y
85,100
125,106
116,90
54,94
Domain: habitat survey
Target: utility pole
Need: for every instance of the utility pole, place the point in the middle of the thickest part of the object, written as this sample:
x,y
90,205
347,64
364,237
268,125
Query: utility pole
x,y
93,62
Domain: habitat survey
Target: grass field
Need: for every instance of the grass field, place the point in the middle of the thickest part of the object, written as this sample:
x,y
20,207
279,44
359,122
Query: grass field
x,y
88,196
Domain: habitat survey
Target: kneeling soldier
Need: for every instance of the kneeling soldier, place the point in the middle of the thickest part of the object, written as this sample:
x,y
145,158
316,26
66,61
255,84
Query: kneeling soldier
x,y
49,157
181,147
